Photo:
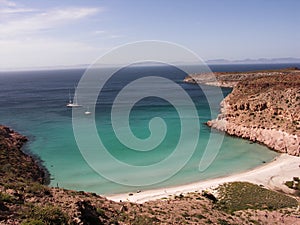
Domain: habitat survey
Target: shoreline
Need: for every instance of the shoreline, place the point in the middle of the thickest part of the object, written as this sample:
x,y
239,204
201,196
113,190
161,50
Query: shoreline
x,y
13,147
271,175
40,163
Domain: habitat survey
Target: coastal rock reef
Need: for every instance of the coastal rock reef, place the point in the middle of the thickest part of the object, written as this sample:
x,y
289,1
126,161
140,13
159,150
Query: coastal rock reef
x,y
264,110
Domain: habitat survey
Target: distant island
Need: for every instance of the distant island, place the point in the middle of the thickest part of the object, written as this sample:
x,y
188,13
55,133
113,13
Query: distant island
x,y
287,60
254,61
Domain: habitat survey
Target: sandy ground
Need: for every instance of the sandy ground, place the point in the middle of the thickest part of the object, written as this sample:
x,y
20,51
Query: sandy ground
x,y
271,175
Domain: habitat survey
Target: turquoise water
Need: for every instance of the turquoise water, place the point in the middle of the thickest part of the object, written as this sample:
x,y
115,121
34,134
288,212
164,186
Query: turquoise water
x,y
34,104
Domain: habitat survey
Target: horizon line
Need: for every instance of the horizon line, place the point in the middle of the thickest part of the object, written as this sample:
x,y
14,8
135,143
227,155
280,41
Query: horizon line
x,y
221,61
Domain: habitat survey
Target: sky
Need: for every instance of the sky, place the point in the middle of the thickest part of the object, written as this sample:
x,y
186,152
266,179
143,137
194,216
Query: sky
x,y
35,33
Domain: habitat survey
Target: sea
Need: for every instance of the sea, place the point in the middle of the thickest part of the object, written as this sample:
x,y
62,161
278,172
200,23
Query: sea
x,y
33,102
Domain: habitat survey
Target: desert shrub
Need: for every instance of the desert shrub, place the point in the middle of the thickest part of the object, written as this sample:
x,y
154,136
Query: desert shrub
x,y
48,215
142,220
290,184
33,222
6,197
293,184
101,212
243,195
223,222
199,216
37,188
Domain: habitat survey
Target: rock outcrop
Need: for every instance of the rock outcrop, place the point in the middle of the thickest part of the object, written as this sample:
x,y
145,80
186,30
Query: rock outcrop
x,y
274,139
11,158
264,109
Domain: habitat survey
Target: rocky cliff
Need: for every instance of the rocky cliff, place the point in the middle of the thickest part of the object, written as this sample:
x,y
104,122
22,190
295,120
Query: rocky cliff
x,y
12,158
263,107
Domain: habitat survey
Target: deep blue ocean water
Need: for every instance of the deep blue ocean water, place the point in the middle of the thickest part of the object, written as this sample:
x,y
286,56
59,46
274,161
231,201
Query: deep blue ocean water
x,y
34,103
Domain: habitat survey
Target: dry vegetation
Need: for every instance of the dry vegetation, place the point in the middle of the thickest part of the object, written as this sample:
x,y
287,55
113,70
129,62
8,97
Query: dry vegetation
x,y
242,195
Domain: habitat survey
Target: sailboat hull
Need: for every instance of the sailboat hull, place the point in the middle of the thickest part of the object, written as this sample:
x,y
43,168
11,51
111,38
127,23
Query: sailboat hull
x,y
73,105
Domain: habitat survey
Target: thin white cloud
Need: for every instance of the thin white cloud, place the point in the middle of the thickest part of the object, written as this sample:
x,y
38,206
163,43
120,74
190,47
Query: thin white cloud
x,y
8,3
24,44
114,36
100,32
107,34
9,9
44,20
15,10
44,52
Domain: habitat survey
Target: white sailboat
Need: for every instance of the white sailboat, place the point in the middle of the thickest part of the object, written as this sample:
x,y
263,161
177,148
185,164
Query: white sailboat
x,y
87,112
73,103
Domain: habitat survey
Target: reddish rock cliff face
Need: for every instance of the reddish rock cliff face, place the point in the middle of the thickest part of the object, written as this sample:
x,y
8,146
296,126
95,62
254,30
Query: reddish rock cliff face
x,y
266,110
274,139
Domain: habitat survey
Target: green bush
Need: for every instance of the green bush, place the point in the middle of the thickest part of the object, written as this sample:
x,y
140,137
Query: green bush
x,y
142,220
6,197
243,195
37,188
101,212
48,215
199,216
223,222
290,184
293,184
33,222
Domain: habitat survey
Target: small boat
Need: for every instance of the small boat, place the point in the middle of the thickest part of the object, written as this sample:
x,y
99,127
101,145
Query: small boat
x,y
70,104
73,103
87,112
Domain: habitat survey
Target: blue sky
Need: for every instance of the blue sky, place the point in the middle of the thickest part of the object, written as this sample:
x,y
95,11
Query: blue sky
x,y
37,33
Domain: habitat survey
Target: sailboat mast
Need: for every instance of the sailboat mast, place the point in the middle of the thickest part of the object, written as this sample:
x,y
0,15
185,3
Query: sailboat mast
x,y
70,100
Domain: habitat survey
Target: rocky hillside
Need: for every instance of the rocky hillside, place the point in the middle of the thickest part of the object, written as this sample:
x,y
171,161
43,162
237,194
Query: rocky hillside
x,y
264,107
25,200
231,79
16,166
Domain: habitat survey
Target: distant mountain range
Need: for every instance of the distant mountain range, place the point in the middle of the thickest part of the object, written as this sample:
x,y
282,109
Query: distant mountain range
x,y
254,61
287,60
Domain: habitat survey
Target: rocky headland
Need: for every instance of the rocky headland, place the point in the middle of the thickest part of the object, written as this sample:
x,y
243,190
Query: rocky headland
x,y
24,199
263,106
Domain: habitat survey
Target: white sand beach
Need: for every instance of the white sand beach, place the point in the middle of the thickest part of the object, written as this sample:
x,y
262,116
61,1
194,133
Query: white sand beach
x,y
271,175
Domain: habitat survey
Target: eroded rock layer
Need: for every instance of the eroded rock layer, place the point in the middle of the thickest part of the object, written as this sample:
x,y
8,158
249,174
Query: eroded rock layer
x,y
265,109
